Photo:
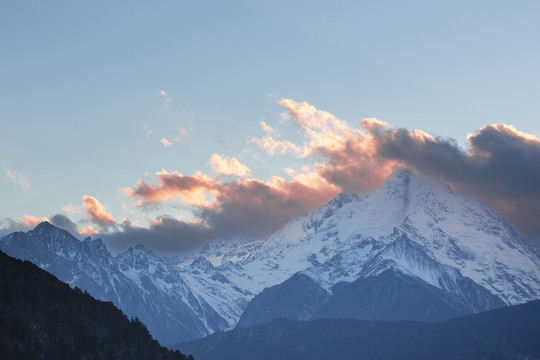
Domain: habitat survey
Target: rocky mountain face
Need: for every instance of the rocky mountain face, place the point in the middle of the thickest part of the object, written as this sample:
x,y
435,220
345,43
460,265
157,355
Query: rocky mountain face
x,y
362,257
137,281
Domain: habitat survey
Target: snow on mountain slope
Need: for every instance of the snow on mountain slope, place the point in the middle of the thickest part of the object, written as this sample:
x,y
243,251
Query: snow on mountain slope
x,y
349,239
334,243
137,281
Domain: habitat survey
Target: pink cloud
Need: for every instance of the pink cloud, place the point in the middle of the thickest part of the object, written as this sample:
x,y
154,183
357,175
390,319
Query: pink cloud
x,y
165,142
183,132
500,167
249,207
96,211
198,190
32,221
18,178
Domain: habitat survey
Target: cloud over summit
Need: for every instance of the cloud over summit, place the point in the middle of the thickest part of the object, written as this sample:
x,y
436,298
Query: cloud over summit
x,y
501,166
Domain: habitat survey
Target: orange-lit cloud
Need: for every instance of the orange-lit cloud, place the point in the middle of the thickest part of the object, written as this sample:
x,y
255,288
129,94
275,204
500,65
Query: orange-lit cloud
x,y
32,221
500,167
227,166
344,156
247,207
197,190
87,230
96,211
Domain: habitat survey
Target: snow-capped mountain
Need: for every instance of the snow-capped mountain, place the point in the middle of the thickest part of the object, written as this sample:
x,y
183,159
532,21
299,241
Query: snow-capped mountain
x,y
454,243
137,281
436,253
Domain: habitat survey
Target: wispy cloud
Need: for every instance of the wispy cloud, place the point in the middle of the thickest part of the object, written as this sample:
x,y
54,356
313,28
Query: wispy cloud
x,y
73,209
18,178
183,132
168,100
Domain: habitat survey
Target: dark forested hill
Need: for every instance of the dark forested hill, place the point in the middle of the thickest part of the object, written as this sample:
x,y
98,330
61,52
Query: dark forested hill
x,y
43,318
505,333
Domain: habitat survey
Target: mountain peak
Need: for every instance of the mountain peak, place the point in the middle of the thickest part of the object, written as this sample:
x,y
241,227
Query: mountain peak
x,y
45,225
402,176
402,172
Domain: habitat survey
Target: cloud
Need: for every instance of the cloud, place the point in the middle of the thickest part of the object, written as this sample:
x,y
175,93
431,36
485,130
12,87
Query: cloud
x,y
500,167
271,144
198,190
18,178
73,209
147,135
267,129
166,235
165,142
228,166
344,156
96,211
183,132
32,221
241,207
63,222
27,222
168,100
87,230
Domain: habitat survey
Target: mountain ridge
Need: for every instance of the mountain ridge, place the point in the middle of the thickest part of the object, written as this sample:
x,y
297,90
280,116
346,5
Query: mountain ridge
x,y
506,333
449,238
139,282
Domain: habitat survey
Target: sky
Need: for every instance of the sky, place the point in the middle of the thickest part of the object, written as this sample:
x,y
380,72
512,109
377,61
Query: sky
x,y
173,123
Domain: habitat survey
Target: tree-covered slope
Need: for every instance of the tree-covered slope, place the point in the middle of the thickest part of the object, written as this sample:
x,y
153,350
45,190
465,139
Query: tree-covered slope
x,y
43,318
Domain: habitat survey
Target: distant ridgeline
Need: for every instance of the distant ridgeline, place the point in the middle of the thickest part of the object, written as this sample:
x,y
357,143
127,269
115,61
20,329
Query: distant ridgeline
x,y
43,318
506,333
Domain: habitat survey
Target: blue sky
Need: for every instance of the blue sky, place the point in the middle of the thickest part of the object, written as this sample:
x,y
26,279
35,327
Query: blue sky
x,y
89,89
